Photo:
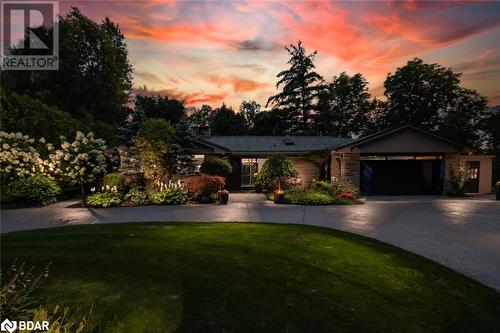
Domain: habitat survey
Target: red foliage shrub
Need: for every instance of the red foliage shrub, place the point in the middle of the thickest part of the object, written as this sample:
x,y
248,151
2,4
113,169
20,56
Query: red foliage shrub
x,y
201,187
347,195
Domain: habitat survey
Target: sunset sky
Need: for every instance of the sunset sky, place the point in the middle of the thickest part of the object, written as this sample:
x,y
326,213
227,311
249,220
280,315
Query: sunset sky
x,y
228,51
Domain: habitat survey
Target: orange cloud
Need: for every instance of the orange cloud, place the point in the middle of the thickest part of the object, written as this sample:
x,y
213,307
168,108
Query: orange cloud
x,y
190,98
239,85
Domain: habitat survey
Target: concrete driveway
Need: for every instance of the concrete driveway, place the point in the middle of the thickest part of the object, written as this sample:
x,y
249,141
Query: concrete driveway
x,y
463,234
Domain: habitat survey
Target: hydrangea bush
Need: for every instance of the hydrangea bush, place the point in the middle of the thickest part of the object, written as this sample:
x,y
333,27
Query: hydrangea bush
x,y
18,157
80,162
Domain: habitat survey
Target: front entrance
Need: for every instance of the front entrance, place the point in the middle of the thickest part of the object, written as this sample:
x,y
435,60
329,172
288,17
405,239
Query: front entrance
x,y
402,175
249,168
473,174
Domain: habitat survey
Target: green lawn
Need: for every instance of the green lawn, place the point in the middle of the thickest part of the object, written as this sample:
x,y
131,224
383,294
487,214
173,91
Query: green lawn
x,y
243,277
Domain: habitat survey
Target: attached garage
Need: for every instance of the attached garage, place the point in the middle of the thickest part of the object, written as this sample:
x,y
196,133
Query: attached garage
x,y
386,175
408,161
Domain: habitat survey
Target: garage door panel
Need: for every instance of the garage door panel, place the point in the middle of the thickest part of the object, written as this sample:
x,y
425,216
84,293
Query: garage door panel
x,y
401,177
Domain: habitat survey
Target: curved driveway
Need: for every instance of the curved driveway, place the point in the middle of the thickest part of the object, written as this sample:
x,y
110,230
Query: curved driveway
x,y
463,234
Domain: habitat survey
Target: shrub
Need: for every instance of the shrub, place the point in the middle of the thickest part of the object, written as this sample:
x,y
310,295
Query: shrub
x,y
217,167
155,151
458,181
104,199
115,180
202,187
321,186
308,197
170,196
137,196
37,190
276,171
317,198
18,157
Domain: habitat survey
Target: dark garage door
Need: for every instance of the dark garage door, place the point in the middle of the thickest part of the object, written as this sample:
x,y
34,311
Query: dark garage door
x,y
394,177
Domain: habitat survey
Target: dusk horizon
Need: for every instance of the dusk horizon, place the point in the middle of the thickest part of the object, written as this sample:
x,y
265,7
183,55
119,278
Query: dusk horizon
x,y
226,52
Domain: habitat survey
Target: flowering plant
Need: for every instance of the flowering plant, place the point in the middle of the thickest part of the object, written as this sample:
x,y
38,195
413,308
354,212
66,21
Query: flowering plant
x,y
278,192
18,157
223,192
346,195
79,162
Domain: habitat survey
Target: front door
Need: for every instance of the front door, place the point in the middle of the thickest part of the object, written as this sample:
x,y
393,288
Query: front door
x,y
249,167
473,174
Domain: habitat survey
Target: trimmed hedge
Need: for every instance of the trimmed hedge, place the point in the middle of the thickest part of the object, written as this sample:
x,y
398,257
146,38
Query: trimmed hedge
x,y
216,167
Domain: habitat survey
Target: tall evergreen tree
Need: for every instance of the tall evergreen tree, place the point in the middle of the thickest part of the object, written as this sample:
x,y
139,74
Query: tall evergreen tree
x,y
300,86
184,147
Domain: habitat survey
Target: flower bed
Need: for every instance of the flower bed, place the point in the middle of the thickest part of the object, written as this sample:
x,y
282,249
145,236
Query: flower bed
x,y
320,193
197,189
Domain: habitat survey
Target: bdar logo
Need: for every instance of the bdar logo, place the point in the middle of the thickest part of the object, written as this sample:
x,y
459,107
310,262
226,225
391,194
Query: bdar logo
x,y
8,326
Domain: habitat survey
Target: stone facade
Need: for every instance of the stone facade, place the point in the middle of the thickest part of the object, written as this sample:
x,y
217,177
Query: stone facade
x,y
345,168
308,172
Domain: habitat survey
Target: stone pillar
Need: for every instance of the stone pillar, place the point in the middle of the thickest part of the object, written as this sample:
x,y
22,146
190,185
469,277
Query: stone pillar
x,y
351,170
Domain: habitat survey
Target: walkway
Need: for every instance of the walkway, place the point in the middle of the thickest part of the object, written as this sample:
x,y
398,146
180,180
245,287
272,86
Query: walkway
x,y
463,234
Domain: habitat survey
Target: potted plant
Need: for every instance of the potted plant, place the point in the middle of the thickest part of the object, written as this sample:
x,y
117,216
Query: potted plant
x,y
279,196
223,196
497,190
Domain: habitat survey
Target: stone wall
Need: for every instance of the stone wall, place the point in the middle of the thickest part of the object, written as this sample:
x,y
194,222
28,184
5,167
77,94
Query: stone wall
x,y
308,172
345,168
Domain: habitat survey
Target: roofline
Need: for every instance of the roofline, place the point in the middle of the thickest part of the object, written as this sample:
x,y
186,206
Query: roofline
x,y
210,144
383,133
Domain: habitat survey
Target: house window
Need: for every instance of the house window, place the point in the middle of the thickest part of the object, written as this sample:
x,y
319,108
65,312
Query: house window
x,y
473,169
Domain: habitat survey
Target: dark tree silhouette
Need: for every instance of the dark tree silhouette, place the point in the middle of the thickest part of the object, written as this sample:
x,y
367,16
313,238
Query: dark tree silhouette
x,y
300,85
344,106
430,96
226,122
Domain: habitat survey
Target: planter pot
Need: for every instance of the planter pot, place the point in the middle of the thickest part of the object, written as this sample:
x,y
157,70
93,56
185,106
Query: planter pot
x,y
497,191
223,199
279,198
258,188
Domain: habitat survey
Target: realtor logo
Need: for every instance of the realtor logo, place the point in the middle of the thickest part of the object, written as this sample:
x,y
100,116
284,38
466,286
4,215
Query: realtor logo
x,y
29,35
24,325
8,326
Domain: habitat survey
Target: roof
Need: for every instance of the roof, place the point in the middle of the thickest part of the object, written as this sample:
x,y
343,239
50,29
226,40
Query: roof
x,y
375,136
247,145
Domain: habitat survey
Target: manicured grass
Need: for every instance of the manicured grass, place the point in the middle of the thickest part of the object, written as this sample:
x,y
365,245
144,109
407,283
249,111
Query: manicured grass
x,y
243,277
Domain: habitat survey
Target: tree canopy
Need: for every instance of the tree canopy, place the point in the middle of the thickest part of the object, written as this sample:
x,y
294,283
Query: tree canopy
x,y
343,106
430,96
226,122
94,77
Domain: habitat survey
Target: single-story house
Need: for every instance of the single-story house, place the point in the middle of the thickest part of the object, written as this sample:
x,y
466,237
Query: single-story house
x,y
403,160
